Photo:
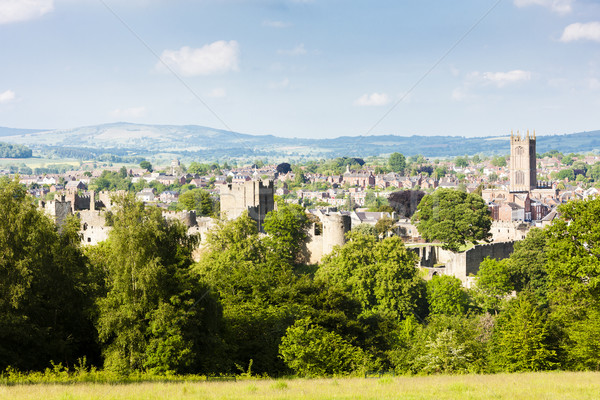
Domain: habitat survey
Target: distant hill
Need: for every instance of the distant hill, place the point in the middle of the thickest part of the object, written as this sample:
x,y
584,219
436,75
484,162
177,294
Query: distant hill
x,y
192,141
15,131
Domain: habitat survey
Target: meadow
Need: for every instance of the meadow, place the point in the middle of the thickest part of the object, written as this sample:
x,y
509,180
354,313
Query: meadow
x,y
531,386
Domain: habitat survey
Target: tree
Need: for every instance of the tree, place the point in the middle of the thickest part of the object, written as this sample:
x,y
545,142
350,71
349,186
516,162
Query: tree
x,y
46,286
155,315
453,217
255,285
568,174
384,226
499,161
146,165
288,228
461,162
572,249
198,200
527,265
405,202
397,162
284,168
381,275
311,350
520,340
445,295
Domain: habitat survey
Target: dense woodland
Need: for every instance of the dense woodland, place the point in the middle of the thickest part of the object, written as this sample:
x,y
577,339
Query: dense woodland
x,y
8,150
138,302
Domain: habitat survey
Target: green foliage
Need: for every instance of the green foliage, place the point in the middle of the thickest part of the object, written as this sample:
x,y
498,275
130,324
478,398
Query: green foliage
x,y
381,275
9,150
527,265
566,174
573,266
445,295
197,200
520,340
444,344
45,286
582,345
461,162
384,226
146,165
288,230
397,162
153,314
453,217
310,350
255,286
499,161
112,181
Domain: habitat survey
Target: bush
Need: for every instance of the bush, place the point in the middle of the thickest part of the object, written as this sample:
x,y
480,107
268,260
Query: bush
x,y
310,349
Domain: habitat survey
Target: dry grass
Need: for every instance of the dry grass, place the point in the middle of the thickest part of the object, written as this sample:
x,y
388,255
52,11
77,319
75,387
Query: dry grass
x,y
531,386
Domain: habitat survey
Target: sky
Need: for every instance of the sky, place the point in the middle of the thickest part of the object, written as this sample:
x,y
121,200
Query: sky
x,y
304,68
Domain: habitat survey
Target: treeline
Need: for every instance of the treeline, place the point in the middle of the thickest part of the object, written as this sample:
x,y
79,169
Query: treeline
x,y
115,155
9,150
138,303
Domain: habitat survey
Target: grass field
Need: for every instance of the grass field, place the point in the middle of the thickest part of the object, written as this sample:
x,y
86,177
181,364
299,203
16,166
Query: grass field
x,y
550,385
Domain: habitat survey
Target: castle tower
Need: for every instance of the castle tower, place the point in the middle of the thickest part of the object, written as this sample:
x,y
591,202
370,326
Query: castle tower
x,y
523,173
256,197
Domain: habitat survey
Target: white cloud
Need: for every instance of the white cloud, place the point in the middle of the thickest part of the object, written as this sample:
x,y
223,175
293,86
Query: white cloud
x,y
23,10
373,99
133,112
502,79
280,85
217,92
561,7
459,94
478,79
276,24
296,51
594,84
579,31
217,57
7,96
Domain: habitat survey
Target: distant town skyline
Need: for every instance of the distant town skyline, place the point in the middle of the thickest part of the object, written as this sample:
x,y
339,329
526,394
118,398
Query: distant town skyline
x,y
303,68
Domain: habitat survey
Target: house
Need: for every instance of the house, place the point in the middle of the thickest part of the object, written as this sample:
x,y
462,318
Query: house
x,y
146,195
75,185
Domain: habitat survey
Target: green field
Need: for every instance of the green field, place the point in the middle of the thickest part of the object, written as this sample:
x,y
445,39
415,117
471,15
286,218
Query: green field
x,y
548,385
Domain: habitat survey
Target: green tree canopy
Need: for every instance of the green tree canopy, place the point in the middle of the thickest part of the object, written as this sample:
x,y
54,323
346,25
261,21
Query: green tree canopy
x,y
573,249
453,218
46,287
381,275
154,315
397,162
288,228
445,295
521,339
146,165
198,200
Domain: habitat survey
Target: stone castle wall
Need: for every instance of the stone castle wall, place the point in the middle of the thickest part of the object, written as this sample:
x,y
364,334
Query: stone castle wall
x,y
461,265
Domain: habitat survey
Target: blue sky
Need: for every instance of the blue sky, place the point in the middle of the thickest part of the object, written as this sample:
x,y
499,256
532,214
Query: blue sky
x,y
303,68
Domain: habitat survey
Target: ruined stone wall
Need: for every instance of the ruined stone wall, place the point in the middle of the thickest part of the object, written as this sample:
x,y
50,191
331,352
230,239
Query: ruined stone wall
x,y
93,226
187,218
58,210
507,231
335,227
255,197
467,263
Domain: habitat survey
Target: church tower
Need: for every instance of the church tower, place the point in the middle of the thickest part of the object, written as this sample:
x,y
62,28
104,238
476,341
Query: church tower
x,y
523,173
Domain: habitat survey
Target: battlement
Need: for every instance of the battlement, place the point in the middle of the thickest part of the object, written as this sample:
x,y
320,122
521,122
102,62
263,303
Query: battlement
x,y
255,197
188,218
